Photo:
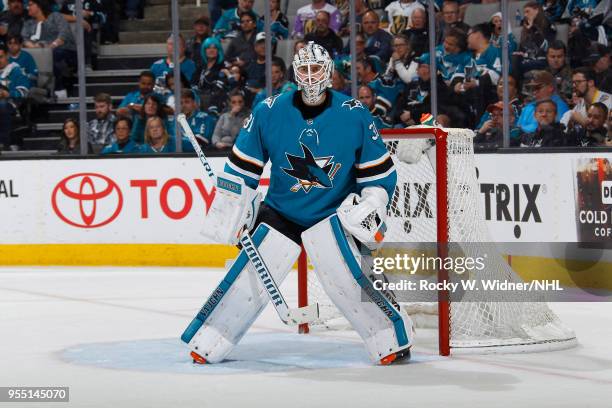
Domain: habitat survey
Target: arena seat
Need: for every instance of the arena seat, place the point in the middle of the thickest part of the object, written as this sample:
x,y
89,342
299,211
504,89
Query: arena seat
x,y
479,13
44,61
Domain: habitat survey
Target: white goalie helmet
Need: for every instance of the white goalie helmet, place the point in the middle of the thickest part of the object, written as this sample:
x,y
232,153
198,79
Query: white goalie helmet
x,y
313,71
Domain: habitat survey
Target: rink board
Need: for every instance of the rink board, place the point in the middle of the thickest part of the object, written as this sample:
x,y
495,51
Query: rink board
x,y
148,211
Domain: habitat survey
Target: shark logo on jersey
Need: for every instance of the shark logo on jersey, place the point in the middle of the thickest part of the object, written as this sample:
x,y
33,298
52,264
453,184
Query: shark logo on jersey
x,y
353,103
310,171
270,100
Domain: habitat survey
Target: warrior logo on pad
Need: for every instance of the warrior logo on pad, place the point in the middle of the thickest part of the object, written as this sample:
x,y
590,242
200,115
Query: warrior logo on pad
x,y
310,171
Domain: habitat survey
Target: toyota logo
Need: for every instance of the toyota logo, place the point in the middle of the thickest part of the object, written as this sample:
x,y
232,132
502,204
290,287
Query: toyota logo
x,y
87,200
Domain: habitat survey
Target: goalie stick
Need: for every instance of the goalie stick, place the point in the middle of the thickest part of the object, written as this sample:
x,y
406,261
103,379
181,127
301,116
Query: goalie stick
x,y
288,315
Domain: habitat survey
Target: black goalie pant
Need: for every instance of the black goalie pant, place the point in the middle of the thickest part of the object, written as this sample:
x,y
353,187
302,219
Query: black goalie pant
x,y
274,219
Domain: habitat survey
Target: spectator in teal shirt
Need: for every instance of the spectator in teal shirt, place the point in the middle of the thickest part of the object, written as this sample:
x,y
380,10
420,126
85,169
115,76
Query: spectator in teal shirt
x,y
23,58
123,143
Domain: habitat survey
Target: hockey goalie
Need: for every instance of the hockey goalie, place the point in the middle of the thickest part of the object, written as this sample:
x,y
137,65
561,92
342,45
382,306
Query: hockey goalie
x,y
330,183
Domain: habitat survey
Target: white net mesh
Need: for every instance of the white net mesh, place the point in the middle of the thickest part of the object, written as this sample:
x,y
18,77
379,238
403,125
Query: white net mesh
x,y
499,326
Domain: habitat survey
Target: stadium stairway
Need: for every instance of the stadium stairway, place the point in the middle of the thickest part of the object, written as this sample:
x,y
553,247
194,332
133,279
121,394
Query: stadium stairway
x,y
141,43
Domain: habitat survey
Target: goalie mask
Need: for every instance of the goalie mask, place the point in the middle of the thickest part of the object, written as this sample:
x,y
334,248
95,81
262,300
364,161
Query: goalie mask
x,y
313,72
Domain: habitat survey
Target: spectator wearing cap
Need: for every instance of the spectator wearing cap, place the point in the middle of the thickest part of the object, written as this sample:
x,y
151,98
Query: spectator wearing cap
x,y
280,25
451,20
305,18
100,131
583,82
474,82
210,80
418,32
536,34
548,131
201,123
193,46
11,20
558,67
256,69
162,66
122,142
23,58
367,97
230,22
231,122
594,132
399,13
496,34
378,41
491,133
279,81
515,103
48,29
14,88
324,36
241,49
542,87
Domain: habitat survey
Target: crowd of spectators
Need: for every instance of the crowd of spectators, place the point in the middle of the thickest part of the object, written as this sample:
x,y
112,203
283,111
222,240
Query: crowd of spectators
x,y
559,86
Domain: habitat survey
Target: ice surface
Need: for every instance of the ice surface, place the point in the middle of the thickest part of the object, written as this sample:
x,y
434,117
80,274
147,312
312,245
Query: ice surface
x,y
112,336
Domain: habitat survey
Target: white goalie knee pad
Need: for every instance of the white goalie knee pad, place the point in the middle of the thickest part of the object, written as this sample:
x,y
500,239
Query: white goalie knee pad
x,y
336,259
240,297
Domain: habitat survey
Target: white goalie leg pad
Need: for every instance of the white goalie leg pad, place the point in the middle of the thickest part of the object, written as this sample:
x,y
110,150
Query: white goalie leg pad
x,y
337,264
240,297
235,206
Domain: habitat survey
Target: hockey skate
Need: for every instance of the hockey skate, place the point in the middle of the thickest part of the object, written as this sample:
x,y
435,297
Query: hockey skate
x,y
198,359
399,356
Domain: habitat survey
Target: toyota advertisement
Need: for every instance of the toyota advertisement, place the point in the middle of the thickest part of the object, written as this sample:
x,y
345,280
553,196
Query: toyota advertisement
x,y
528,197
146,200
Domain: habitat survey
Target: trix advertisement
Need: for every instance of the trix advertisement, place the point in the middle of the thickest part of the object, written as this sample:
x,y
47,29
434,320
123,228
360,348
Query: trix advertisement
x,y
593,186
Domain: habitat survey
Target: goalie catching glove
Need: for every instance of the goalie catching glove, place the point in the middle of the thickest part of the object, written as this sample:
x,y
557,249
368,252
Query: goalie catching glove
x,y
364,216
411,151
234,208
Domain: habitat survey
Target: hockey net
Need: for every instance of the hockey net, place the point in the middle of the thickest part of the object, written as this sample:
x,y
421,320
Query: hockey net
x,y
436,200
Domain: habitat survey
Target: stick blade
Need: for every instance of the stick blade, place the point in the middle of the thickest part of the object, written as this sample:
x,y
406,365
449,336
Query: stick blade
x,y
302,315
